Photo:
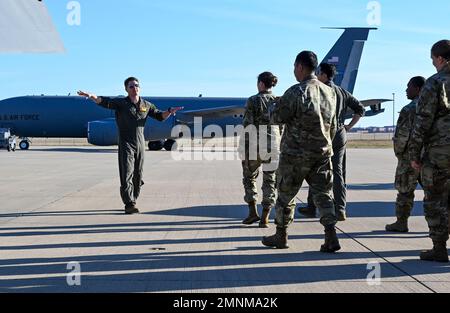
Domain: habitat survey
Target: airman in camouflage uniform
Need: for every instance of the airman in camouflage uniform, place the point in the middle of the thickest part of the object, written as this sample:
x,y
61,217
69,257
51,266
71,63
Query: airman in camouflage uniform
x,y
256,120
431,132
344,102
406,177
308,111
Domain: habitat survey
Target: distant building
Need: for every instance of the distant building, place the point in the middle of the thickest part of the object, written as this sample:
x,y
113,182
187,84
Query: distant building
x,y
374,130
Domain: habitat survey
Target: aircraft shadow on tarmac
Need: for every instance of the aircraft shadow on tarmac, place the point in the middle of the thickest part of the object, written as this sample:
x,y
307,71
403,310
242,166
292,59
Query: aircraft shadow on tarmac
x,y
354,210
182,270
381,186
376,186
74,150
231,212
166,268
63,213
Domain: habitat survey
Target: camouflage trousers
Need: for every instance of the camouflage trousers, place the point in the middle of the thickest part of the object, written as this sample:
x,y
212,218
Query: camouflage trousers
x,y
406,180
436,184
250,173
292,172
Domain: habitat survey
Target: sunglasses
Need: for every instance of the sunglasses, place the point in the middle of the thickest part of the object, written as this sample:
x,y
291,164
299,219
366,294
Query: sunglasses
x,y
134,86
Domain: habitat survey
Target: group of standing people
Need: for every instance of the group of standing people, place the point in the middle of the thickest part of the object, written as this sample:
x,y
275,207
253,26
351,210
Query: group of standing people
x,y
313,148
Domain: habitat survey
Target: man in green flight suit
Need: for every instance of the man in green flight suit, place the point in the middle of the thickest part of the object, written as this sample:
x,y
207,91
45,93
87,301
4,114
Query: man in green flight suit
x,y
131,115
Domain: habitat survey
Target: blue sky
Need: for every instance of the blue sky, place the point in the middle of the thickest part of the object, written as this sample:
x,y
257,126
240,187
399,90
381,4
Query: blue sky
x,y
218,47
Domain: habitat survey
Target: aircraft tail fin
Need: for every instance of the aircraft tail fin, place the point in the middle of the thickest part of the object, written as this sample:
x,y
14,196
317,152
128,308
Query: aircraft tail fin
x,y
346,55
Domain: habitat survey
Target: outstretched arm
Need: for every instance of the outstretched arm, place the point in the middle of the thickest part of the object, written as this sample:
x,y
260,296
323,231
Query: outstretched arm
x,y
91,96
171,111
105,102
160,115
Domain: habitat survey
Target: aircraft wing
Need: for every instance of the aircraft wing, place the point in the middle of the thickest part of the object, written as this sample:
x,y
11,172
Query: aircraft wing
x,y
211,113
26,26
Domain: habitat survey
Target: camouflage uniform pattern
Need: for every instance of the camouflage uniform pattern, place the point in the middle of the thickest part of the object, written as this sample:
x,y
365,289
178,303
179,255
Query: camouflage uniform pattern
x,y
344,102
406,177
257,114
431,131
308,111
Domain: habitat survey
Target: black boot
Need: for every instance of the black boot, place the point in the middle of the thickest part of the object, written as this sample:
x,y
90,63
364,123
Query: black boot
x,y
400,226
279,240
253,216
331,244
437,254
131,209
264,223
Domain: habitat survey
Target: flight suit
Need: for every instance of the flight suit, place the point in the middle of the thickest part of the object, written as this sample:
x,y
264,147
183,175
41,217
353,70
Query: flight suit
x,y
131,119
431,132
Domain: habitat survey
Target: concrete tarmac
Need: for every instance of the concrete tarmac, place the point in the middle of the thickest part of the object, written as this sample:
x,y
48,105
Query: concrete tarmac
x,y
60,205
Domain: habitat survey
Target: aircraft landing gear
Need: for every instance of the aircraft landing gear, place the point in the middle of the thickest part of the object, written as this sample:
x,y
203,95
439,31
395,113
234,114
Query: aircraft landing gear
x,y
170,145
24,144
156,145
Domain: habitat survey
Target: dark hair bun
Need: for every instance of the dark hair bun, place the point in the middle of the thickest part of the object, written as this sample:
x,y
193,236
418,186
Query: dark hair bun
x,y
268,79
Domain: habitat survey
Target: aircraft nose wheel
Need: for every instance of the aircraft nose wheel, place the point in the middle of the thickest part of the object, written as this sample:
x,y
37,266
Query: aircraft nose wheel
x,y
24,145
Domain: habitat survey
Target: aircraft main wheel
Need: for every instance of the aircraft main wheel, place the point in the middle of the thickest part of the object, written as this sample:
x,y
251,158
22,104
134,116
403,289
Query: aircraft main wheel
x,y
24,145
170,145
156,145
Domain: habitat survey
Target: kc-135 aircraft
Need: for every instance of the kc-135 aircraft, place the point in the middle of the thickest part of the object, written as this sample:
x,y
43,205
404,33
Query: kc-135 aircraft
x,y
78,117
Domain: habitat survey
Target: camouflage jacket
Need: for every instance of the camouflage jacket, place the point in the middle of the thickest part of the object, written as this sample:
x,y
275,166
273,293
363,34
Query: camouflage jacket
x,y
257,109
405,125
432,125
257,114
309,111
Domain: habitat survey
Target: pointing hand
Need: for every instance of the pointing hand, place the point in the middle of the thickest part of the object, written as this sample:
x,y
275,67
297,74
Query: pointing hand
x,y
83,94
175,110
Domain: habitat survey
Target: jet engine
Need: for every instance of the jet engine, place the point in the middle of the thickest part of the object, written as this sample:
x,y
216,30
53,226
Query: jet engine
x,y
103,133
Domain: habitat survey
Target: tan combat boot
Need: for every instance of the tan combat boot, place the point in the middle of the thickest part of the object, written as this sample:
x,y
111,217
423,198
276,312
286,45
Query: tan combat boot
x,y
264,223
253,216
331,244
279,240
400,226
341,216
437,254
